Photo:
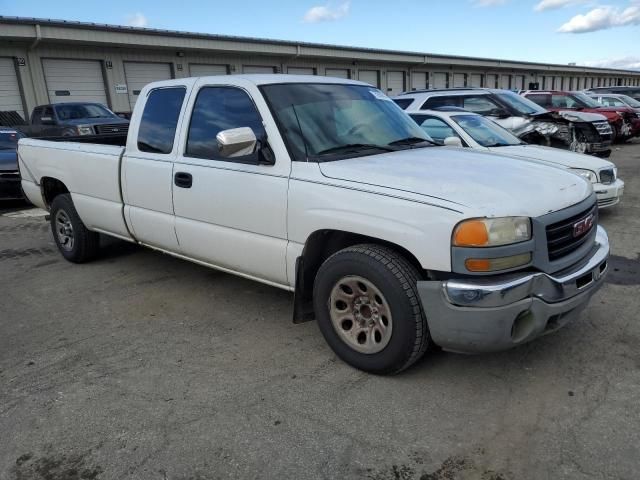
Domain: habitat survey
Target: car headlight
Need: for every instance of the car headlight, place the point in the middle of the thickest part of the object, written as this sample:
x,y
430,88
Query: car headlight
x,y
491,232
85,131
588,174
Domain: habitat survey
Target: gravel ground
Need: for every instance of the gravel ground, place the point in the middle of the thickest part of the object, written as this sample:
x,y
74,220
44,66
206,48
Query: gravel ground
x,y
142,366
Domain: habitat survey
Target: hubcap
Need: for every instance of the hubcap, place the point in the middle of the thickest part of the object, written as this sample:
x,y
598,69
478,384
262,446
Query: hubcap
x,y
360,314
64,231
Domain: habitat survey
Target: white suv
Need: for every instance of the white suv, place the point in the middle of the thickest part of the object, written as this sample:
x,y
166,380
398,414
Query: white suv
x,y
577,131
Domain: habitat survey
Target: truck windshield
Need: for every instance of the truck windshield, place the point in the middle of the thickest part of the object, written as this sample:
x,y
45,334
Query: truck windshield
x,y
520,104
9,139
329,121
486,132
88,110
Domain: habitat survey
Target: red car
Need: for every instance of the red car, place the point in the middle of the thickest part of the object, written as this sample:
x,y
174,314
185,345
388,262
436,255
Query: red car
x,y
624,121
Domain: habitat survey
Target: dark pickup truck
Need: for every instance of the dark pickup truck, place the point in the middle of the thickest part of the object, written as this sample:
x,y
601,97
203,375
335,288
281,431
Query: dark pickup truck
x,y
74,120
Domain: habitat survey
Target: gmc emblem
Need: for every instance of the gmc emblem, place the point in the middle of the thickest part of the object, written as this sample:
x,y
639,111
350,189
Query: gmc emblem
x,y
583,226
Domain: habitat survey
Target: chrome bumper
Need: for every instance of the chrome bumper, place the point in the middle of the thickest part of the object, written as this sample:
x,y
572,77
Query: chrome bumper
x,y
497,313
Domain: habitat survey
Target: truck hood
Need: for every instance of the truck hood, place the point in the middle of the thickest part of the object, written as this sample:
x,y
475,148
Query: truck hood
x,y
484,183
8,160
553,156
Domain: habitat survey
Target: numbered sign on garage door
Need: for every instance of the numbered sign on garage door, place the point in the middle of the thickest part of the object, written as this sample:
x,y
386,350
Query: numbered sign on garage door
x,y
202,70
395,83
372,77
337,72
74,81
10,99
140,74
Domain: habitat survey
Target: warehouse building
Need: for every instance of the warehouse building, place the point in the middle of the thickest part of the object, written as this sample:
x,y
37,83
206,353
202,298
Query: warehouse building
x,y
52,61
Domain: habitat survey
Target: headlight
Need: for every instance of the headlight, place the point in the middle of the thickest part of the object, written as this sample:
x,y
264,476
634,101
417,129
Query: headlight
x,y
85,131
588,174
491,232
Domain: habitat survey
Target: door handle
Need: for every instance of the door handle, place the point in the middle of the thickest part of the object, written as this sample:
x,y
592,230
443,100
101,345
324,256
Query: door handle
x,y
183,179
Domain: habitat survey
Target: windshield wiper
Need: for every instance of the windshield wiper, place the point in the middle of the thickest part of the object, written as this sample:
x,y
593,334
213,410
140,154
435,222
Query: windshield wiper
x,y
411,141
355,147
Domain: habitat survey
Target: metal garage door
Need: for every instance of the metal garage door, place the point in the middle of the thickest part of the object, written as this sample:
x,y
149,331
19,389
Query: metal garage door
x,y
419,80
440,80
371,77
202,70
518,82
301,70
337,72
505,82
74,81
257,69
475,80
395,83
492,80
141,73
459,80
9,90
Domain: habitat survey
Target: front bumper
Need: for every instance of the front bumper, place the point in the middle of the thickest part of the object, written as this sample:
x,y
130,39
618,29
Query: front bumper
x,y
609,195
10,188
497,313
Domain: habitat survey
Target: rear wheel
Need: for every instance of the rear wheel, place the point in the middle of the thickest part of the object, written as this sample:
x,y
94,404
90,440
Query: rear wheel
x,y
75,242
368,310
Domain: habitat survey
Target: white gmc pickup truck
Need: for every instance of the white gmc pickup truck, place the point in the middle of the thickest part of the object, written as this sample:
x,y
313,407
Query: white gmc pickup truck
x,y
326,188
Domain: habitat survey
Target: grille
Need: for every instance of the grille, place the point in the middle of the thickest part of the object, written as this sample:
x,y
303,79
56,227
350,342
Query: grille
x,y
607,201
112,129
603,127
560,239
607,176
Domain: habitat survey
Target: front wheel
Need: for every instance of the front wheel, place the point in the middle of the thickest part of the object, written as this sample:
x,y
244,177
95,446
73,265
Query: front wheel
x,y
366,302
75,242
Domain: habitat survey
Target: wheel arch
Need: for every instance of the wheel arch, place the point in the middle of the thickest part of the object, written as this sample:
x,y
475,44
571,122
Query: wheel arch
x,y
50,188
319,246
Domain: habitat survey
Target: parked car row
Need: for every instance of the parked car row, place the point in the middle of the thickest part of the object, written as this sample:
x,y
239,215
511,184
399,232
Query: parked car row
x,y
581,132
325,188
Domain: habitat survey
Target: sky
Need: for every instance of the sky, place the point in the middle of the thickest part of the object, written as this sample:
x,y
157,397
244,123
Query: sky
x,y
603,33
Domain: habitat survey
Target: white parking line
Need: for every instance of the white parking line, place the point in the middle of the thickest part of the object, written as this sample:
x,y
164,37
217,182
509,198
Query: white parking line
x,y
28,213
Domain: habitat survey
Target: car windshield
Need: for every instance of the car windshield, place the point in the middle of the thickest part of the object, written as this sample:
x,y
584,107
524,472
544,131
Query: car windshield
x,y
89,110
522,105
486,132
586,100
632,102
331,121
9,139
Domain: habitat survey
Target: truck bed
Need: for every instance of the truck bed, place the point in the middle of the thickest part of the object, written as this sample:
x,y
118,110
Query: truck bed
x,y
89,171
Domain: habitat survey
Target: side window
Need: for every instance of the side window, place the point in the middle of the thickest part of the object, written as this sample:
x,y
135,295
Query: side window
x,y
436,102
37,113
613,102
437,129
160,119
481,104
563,101
217,109
542,100
403,103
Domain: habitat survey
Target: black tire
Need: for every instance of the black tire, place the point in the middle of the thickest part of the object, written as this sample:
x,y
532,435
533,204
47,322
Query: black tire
x,y
397,280
614,134
85,243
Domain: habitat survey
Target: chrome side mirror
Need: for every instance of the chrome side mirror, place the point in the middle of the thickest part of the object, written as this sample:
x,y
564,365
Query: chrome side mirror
x,y
236,142
452,142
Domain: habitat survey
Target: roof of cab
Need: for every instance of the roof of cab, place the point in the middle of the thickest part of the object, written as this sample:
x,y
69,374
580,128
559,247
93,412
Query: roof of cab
x,y
272,78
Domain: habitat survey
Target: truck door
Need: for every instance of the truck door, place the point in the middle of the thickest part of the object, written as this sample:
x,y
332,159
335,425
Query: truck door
x,y
147,168
230,212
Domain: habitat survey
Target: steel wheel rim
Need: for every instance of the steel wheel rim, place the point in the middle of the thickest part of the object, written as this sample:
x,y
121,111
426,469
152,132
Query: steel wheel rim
x,y
64,231
360,314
